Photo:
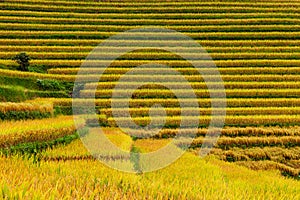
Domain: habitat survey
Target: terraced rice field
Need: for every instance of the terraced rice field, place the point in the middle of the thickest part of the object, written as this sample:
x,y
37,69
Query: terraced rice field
x,y
255,46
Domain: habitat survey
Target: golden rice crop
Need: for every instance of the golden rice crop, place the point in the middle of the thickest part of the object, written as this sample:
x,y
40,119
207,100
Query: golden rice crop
x,y
175,121
232,102
157,55
149,9
13,133
190,78
141,21
134,4
104,35
256,49
204,43
269,165
11,73
176,63
200,85
22,179
182,28
225,142
139,112
88,48
276,154
279,156
115,77
154,15
29,48
9,106
74,149
229,132
185,70
200,93
77,148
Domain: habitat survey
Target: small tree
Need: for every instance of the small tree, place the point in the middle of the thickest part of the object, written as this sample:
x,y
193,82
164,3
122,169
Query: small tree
x,y
23,60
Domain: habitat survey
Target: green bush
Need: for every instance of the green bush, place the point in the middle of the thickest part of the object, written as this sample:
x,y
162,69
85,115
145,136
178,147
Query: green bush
x,y
38,68
12,93
30,94
23,60
17,115
63,110
135,159
28,83
53,85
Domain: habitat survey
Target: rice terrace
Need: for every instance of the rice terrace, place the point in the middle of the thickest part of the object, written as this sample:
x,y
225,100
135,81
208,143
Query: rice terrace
x,y
145,99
